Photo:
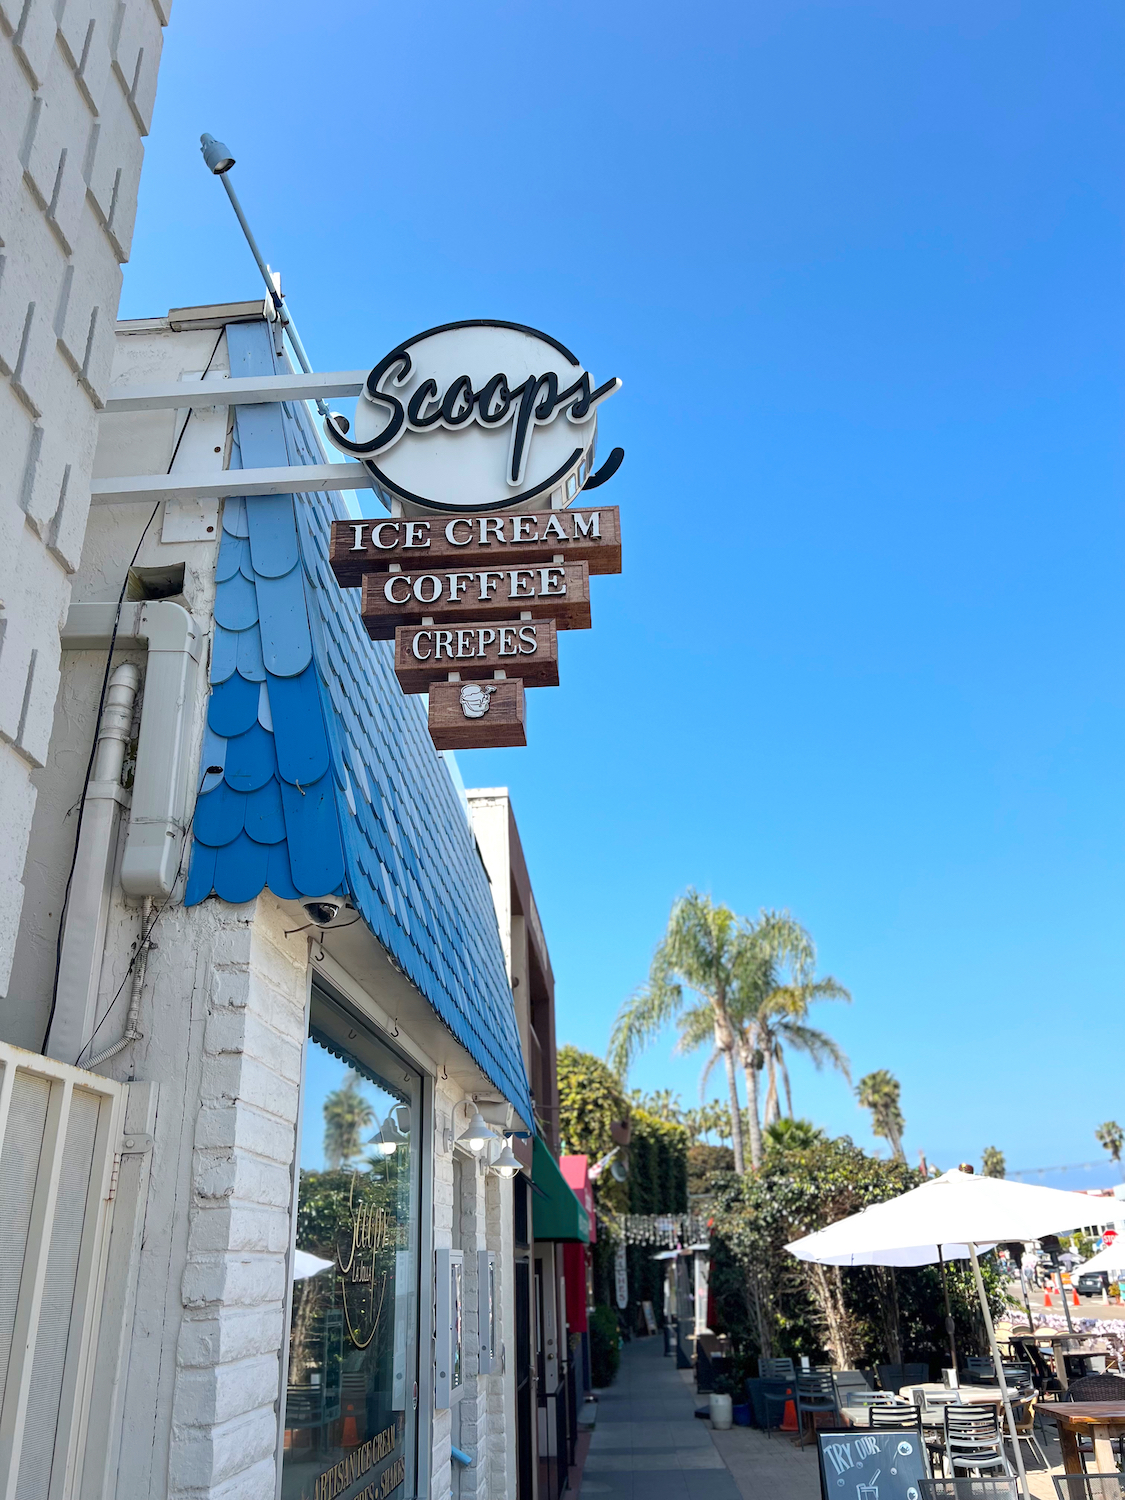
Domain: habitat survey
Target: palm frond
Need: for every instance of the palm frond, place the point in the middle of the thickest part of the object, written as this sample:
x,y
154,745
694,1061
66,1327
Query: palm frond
x,y
646,1012
818,1046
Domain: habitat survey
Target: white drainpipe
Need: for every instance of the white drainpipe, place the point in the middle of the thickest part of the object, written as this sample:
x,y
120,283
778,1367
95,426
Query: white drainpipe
x,y
157,808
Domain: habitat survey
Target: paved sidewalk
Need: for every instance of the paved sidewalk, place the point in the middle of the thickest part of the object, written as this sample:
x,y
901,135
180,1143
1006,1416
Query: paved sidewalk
x,y
647,1444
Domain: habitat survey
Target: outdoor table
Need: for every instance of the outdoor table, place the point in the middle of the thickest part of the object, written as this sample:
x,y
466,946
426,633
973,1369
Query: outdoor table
x,y
977,1395
1101,1420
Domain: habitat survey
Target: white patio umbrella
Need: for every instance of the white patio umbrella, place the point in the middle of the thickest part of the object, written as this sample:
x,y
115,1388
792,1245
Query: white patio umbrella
x,y
954,1216
1111,1259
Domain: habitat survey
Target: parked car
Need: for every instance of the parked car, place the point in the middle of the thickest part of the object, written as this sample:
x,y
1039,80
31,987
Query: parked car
x,y
1093,1283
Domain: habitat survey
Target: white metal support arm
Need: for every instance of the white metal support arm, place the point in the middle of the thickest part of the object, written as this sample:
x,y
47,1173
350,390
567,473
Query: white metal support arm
x,y
298,479
241,391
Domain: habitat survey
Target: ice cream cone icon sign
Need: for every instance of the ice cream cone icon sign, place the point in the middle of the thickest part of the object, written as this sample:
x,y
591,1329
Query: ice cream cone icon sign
x,y
870,1490
476,698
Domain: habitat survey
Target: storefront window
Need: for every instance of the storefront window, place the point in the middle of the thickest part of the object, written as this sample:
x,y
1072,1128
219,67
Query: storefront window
x,y
353,1333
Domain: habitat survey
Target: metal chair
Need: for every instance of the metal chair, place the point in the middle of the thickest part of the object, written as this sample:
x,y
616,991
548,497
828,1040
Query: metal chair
x,y
897,1416
969,1489
816,1391
776,1393
849,1384
1090,1486
1023,1415
775,1369
973,1440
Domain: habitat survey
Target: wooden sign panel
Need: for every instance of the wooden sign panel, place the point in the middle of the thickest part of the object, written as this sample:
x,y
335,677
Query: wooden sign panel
x,y
427,653
477,715
560,593
590,535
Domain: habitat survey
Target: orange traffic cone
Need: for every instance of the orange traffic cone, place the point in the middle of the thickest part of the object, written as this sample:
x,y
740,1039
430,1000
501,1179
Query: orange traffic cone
x,y
789,1418
1076,1301
1047,1297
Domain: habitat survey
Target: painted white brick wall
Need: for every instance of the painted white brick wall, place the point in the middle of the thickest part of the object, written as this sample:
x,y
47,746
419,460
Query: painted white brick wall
x,y
223,1024
77,81
484,1421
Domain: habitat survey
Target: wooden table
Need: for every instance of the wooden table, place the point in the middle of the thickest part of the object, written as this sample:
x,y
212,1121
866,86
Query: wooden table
x,y
1101,1420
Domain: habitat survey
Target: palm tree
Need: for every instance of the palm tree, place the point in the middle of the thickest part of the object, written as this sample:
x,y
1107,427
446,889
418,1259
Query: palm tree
x,y
700,952
793,1135
992,1162
346,1114
781,1024
1112,1137
768,1014
880,1093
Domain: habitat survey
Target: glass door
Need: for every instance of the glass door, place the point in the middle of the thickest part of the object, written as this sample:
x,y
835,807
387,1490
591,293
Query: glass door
x,y
350,1417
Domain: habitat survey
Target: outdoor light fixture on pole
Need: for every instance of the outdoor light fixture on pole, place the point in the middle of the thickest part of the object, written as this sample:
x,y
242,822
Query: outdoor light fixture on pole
x,y
219,160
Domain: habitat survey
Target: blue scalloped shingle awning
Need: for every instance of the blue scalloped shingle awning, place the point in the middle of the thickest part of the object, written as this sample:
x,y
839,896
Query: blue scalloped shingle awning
x,y
331,784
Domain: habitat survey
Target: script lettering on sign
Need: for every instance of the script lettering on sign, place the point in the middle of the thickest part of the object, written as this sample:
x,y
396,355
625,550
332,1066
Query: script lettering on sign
x,y
477,416
504,540
369,1231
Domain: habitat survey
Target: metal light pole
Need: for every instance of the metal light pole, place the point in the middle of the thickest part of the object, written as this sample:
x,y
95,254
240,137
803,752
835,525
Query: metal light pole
x,y
219,160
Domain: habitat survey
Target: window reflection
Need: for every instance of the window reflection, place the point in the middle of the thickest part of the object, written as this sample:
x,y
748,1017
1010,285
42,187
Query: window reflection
x,y
349,1423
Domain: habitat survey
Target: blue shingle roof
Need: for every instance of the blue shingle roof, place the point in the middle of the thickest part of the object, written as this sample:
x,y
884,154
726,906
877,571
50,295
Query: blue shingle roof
x,y
331,784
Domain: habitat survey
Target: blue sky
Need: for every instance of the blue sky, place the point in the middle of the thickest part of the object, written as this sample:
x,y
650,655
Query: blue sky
x,y
859,267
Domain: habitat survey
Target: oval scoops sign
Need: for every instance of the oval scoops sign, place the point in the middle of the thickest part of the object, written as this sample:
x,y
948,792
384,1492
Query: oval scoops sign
x,y
478,416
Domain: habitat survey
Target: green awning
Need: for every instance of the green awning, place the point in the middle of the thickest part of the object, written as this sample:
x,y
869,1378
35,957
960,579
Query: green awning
x,y
556,1213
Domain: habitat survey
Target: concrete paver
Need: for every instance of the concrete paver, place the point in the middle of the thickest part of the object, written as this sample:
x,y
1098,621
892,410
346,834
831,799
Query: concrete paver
x,y
649,1445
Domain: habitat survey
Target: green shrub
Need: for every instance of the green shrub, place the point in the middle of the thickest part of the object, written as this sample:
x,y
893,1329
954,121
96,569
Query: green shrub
x,y
605,1346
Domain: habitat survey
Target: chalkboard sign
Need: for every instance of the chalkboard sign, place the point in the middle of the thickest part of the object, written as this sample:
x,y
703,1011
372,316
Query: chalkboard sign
x,y
649,1316
858,1464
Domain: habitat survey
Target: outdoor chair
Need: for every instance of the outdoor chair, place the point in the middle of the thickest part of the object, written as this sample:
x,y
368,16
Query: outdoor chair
x,y
897,1415
850,1384
891,1377
1023,1416
775,1369
915,1374
816,1392
1090,1486
978,1371
1097,1388
775,1395
973,1440
969,1489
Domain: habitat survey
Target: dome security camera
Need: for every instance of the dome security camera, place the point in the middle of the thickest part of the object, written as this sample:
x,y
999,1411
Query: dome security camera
x,y
323,911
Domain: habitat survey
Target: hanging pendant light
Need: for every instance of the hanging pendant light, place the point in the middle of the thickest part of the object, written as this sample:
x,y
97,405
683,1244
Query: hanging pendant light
x,y
506,1164
477,1134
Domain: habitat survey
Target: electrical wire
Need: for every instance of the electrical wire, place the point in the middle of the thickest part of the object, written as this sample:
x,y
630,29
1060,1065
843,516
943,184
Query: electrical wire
x,y
210,771
81,804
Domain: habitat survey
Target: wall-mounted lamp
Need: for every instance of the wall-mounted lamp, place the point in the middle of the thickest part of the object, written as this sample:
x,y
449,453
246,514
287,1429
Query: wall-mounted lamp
x,y
477,1134
506,1164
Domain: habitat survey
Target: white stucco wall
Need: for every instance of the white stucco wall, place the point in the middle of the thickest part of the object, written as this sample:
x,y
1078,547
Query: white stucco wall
x,y
77,85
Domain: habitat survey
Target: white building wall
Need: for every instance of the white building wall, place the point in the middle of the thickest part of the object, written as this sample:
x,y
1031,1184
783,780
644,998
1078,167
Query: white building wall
x,y
77,85
482,1423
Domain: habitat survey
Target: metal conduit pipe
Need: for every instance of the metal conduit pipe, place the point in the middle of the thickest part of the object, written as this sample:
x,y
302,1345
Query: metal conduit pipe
x,y
131,1033
80,958
156,807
